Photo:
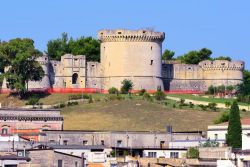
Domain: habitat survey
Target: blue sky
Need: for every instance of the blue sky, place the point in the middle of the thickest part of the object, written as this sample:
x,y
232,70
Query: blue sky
x,y
220,25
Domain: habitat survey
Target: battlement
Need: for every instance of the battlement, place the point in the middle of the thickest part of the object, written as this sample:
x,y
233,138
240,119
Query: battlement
x,y
123,35
222,65
43,60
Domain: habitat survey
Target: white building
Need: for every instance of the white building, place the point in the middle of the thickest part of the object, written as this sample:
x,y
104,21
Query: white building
x,y
219,132
165,153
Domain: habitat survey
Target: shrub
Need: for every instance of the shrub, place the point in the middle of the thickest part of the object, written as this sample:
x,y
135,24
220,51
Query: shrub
x,y
209,143
33,100
224,117
113,90
212,106
227,104
244,110
141,93
62,105
147,97
174,106
203,107
127,86
193,153
72,103
79,96
191,105
159,95
90,99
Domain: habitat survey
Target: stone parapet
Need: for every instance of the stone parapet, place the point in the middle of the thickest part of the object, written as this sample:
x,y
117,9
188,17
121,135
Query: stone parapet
x,y
123,35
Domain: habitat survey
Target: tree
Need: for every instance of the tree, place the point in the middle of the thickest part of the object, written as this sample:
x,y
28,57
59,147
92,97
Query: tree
x,y
19,58
113,90
80,46
193,153
223,58
168,55
194,57
234,137
127,86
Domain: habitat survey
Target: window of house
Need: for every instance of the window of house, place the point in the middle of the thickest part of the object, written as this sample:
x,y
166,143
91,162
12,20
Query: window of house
x,y
4,131
102,142
65,142
119,143
151,62
51,141
215,136
152,154
84,142
74,78
60,163
174,155
162,144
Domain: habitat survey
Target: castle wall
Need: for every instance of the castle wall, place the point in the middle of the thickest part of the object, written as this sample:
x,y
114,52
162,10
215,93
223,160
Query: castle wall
x,y
94,75
134,55
44,84
65,70
183,77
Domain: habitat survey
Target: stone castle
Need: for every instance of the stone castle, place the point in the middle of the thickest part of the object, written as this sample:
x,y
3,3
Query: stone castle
x,y
134,55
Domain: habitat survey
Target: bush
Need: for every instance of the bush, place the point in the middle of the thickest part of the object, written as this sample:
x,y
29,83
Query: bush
x,y
224,117
193,153
191,105
72,103
244,110
212,106
203,107
147,97
159,95
127,86
174,106
227,104
141,93
113,90
90,99
79,96
33,100
62,105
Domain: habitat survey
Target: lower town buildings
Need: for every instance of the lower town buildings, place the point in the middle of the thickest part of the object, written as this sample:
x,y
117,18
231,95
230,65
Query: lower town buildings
x,y
36,138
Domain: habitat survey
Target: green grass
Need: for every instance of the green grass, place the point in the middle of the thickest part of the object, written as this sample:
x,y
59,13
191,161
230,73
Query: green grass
x,y
134,115
206,99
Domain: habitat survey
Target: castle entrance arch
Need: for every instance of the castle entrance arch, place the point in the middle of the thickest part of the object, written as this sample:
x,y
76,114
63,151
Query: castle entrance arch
x,y
74,78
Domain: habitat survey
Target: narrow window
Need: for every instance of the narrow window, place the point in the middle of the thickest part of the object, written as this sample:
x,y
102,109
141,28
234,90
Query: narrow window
x,y
215,136
60,163
65,142
162,144
102,142
151,47
76,164
119,143
84,142
151,62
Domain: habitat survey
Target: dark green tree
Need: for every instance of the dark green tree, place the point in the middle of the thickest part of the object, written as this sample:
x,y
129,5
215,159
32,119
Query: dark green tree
x,y
168,55
127,86
19,55
223,58
234,137
81,46
194,57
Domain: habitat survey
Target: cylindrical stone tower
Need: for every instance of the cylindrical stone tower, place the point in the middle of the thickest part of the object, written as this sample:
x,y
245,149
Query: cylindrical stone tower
x,y
134,55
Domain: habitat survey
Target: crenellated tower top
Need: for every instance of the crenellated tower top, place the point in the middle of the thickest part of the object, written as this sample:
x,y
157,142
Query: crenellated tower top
x,y
123,35
222,65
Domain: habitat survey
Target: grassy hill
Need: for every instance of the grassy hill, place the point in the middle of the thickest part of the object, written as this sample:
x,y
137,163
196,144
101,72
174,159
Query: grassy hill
x,y
134,115
129,114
